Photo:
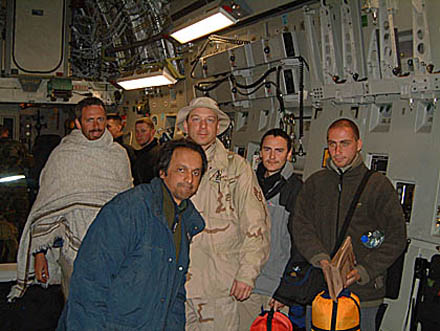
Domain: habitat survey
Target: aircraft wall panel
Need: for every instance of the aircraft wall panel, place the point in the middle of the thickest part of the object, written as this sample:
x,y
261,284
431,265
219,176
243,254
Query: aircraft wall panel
x,y
38,44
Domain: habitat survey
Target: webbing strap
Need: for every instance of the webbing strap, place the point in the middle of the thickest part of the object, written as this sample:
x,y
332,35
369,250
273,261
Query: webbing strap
x,y
351,210
269,319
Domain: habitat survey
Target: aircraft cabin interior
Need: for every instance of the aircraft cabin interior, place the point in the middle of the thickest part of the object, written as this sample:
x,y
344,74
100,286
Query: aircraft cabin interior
x,y
297,65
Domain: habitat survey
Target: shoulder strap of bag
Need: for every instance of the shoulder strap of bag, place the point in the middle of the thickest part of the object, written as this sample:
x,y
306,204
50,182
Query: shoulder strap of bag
x,y
351,210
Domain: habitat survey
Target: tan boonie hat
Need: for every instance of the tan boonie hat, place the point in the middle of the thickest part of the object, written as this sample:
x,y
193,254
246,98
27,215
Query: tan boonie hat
x,y
203,102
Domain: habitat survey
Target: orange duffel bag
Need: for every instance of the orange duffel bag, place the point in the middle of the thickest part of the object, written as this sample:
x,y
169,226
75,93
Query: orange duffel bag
x,y
343,315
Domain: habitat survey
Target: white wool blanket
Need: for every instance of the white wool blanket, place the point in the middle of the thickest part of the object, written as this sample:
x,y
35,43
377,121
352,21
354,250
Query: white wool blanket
x,y
79,174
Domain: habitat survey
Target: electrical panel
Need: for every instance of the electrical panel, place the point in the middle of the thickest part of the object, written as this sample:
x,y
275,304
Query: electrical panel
x,y
257,50
198,70
405,191
380,120
278,117
424,116
289,82
242,120
257,73
377,162
222,92
253,154
436,224
280,47
244,78
217,64
436,227
265,68
241,57
270,85
263,120
247,56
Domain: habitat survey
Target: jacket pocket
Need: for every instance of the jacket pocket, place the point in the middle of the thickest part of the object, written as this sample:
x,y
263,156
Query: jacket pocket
x,y
220,199
223,235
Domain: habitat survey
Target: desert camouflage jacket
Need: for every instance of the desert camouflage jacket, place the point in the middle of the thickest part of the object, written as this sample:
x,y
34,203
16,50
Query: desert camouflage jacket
x,y
235,242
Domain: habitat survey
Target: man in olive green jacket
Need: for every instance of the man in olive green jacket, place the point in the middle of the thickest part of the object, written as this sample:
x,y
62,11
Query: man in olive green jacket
x,y
321,209
227,257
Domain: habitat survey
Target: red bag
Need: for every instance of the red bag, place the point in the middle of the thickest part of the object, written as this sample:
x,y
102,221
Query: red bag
x,y
271,321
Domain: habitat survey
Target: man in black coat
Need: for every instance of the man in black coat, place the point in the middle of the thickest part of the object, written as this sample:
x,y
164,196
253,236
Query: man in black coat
x,y
115,126
143,169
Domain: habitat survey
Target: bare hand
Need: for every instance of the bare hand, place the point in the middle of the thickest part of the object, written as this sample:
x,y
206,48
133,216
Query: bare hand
x,y
41,268
241,291
352,277
275,304
324,264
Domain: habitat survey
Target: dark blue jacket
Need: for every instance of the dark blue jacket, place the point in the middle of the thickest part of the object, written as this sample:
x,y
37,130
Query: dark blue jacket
x,y
125,275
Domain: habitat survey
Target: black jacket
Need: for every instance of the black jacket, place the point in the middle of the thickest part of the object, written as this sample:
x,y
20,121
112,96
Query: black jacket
x,y
144,168
130,150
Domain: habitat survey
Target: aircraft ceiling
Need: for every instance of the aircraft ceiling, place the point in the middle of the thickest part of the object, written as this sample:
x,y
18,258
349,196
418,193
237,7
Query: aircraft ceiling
x,y
113,36
110,37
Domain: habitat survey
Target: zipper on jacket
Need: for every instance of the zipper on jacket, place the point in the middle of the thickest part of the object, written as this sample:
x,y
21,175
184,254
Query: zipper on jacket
x,y
341,179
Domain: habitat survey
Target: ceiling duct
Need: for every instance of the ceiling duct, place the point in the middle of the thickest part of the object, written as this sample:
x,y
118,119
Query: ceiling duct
x,y
181,9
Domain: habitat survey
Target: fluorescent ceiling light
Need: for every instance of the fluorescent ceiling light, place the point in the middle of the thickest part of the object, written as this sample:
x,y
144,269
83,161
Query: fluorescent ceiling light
x,y
159,77
11,178
216,21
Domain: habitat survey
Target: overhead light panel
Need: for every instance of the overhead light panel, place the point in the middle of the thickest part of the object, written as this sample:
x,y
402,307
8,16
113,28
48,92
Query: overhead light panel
x,y
217,20
145,79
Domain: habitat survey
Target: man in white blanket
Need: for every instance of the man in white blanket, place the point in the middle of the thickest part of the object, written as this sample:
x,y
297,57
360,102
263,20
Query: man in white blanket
x,y
84,171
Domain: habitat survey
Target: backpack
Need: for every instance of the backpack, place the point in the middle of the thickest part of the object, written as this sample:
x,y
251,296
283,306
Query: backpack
x,y
336,316
271,321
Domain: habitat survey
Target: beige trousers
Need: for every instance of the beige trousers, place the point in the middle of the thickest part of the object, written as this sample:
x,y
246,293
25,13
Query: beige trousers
x,y
213,314
249,309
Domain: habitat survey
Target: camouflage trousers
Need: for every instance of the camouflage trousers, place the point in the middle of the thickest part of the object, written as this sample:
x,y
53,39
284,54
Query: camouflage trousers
x,y
213,314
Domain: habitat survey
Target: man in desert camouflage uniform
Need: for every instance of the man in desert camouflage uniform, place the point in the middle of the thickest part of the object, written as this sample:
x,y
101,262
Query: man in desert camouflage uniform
x,y
227,256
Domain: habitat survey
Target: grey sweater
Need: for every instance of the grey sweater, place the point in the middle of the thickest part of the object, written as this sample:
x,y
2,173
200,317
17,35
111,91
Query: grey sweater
x,y
270,276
